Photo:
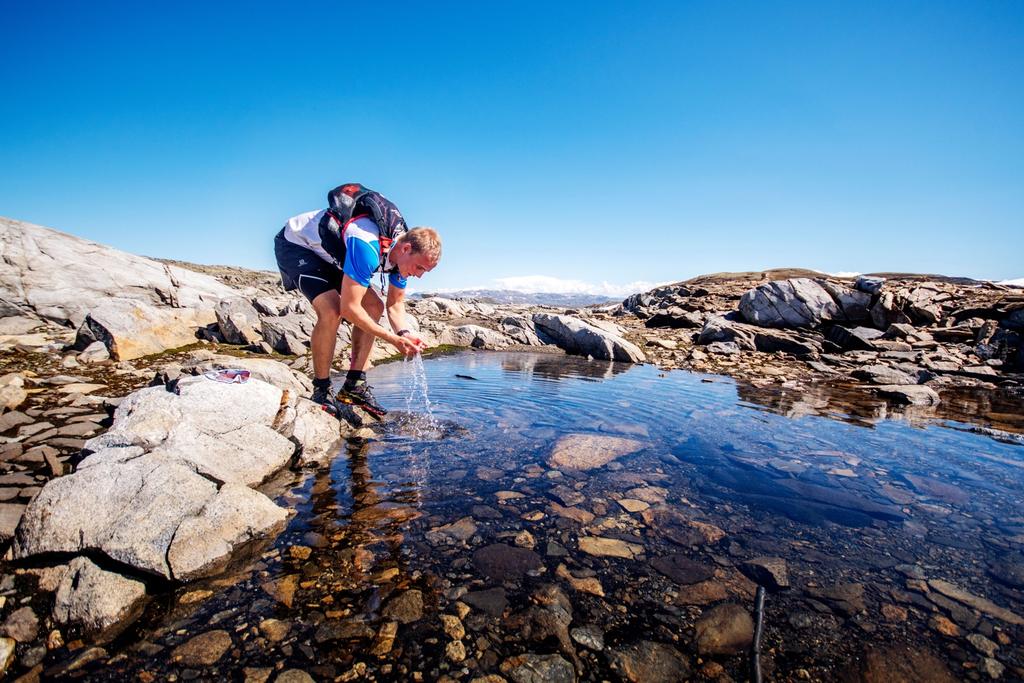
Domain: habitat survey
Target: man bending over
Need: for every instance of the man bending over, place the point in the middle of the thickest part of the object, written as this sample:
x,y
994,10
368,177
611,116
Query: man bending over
x,y
332,256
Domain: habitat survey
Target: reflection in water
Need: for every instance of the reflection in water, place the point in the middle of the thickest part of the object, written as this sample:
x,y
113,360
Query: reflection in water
x,y
998,409
556,367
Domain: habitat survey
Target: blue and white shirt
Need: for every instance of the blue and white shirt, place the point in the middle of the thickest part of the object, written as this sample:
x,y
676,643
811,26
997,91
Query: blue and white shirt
x,y
362,247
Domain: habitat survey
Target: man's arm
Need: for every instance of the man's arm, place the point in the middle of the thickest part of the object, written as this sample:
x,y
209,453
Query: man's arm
x,y
396,314
352,310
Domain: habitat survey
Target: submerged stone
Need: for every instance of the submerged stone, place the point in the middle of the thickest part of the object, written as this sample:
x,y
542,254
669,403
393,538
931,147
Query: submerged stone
x,y
502,562
406,608
900,665
770,572
682,569
531,668
202,650
491,601
610,547
590,451
726,629
649,662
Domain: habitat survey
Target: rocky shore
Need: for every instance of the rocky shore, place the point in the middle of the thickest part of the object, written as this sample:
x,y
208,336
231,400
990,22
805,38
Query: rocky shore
x,y
127,472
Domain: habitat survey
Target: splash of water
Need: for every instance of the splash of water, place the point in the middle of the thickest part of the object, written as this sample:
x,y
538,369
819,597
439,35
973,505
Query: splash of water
x,y
417,398
420,422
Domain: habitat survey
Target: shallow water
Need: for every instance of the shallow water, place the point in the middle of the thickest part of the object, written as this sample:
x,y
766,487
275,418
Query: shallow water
x,y
841,486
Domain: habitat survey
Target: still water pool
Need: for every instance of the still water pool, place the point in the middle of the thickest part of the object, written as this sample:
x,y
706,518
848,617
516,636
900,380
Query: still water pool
x,y
454,546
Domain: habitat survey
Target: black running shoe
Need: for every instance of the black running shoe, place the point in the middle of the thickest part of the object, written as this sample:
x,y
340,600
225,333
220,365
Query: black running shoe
x,y
362,395
322,395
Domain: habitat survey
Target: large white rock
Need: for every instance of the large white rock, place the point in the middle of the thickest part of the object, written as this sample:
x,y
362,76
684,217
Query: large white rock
x,y
576,336
61,277
203,545
158,465
147,417
129,511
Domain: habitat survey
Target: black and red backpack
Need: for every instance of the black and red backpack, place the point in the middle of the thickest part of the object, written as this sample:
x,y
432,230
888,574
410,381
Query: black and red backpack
x,y
351,201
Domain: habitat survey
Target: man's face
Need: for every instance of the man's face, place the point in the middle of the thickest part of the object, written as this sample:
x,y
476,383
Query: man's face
x,y
412,264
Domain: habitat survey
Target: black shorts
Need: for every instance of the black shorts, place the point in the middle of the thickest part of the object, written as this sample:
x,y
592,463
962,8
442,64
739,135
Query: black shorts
x,y
302,269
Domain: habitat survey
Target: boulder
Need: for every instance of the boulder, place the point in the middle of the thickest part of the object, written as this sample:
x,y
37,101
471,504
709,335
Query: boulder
x,y
155,473
148,417
62,278
532,668
923,305
133,329
676,318
236,515
15,324
96,352
475,336
575,336
854,304
869,285
883,374
10,517
447,307
288,334
802,302
238,320
649,662
128,511
521,330
95,599
317,431
270,371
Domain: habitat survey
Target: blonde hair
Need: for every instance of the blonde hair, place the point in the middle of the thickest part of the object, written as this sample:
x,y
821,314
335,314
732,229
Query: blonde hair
x,y
424,241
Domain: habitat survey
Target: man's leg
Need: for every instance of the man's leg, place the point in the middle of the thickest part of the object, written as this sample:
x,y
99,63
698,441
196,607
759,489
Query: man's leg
x,y
325,333
362,341
355,389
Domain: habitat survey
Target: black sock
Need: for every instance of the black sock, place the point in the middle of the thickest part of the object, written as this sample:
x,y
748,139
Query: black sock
x,y
354,377
321,383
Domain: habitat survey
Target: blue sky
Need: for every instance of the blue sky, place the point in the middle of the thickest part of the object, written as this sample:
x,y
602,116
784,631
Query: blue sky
x,y
589,142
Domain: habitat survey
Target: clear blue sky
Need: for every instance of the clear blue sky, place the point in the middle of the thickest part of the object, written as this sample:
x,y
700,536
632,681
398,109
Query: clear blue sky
x,y
586,141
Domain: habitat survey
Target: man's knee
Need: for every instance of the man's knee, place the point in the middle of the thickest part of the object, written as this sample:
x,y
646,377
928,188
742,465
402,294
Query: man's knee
x,y
373,305
327,307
